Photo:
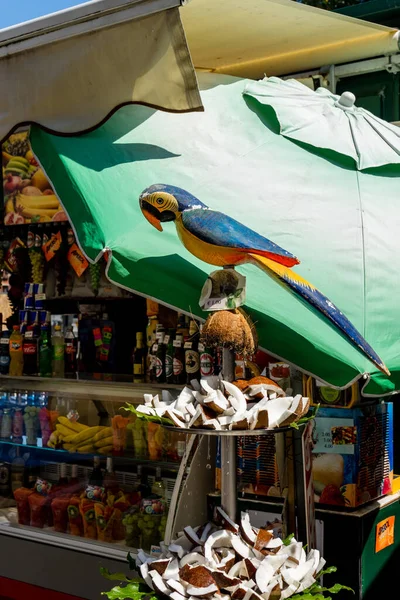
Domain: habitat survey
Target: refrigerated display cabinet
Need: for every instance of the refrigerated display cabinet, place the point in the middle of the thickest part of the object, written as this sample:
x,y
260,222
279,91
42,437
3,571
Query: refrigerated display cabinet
x,y
61,530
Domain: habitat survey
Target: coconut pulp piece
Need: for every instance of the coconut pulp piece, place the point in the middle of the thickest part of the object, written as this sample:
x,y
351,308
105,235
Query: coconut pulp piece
x,y
236,397
158,583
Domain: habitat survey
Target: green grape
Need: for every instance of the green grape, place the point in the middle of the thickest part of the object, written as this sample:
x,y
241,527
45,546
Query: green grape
x,y
95,277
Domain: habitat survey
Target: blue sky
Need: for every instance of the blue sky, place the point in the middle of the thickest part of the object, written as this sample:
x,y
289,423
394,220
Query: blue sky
x,y
18,11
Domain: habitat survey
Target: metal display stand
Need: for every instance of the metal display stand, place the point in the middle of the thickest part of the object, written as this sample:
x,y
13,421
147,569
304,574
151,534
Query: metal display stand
x,y
290,460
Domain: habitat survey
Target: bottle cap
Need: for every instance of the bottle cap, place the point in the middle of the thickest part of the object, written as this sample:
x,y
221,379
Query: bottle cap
x,y
15,327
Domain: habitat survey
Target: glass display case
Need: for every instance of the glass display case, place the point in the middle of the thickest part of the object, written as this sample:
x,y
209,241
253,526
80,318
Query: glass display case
x,y
79,473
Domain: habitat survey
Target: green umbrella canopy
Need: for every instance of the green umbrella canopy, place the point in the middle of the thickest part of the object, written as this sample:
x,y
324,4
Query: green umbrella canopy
x,y
342,223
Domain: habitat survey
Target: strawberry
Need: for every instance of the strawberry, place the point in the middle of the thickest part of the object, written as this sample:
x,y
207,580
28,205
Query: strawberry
x,y
331,494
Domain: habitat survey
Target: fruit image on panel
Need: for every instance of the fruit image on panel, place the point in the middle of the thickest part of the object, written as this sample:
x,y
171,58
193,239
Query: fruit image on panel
x,y
28,195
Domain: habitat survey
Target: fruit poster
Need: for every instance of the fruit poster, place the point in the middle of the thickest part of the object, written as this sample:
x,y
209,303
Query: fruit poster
x,y
28,195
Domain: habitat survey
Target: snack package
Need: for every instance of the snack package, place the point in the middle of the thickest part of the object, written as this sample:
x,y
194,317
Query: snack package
x,y
21,496
104,521
74,516
59,507
86,508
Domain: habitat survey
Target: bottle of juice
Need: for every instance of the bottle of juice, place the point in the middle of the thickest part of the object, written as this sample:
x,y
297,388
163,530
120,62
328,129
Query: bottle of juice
x,y
57,342
16,353
5,352
45,354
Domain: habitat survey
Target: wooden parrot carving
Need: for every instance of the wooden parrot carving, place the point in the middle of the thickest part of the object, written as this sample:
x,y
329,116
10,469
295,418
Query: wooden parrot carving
x,y
219,240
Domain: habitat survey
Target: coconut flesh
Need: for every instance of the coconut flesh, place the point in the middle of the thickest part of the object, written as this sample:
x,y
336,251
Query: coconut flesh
x,y
225,567
221,405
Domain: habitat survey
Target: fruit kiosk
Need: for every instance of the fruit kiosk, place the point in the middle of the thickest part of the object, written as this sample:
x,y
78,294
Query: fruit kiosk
x,y
146,410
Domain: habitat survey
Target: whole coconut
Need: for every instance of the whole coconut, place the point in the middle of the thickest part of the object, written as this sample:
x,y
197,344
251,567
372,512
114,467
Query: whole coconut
x,y
231,329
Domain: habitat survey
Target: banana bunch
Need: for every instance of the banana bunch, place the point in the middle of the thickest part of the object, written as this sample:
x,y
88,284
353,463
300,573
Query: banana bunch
x,y
34,206
75,437
18,165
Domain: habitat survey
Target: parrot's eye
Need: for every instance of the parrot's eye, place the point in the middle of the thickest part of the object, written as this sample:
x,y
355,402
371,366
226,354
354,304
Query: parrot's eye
x,y
160,201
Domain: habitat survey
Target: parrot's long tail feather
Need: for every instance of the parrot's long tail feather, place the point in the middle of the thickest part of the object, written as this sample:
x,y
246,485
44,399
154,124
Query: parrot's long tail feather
x,y
308,292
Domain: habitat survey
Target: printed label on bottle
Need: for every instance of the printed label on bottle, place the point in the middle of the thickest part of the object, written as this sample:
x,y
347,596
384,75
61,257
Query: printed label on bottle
x,y
177,343
4,475
169,366
154,506
138,369
15,346
58,352
69,349
201,347
30,348
4,361
192,361
158,366
17,424
166,339
154,348
188,345
177,366
28,334
206,364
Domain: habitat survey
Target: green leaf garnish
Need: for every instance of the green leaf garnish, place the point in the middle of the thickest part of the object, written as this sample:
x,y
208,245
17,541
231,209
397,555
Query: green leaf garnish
x,y
148,418
131,592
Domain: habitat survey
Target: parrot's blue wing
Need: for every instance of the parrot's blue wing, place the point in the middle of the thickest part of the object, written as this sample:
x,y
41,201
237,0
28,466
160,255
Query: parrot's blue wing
x,y
218,229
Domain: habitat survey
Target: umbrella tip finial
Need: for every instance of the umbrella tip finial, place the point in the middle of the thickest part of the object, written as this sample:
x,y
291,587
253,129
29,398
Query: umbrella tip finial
x,y
347,100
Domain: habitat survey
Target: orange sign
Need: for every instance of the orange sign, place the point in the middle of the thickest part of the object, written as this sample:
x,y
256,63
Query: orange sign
x,y
77,260
384,534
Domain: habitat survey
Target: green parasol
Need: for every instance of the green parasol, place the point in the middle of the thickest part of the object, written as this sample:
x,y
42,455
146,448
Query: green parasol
x,y
310,199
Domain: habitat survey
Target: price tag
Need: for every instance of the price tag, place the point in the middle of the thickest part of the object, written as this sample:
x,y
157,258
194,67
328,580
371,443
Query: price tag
x,y
177,343
29,334
166,339
188,345
5,341
201,347
155,347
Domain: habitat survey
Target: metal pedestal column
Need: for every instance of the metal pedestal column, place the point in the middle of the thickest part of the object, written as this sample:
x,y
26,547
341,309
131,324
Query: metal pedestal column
x,y
228,448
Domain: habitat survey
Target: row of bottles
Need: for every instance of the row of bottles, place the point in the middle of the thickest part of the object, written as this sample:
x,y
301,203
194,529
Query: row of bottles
x,y
32,354
174,355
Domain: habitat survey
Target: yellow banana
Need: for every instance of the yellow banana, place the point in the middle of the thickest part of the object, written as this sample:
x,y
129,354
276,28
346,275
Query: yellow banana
x,y
46,202
74,425
9,207
87,434
88,449
69,439
105,450
106,432
38,212
108,441
64,431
